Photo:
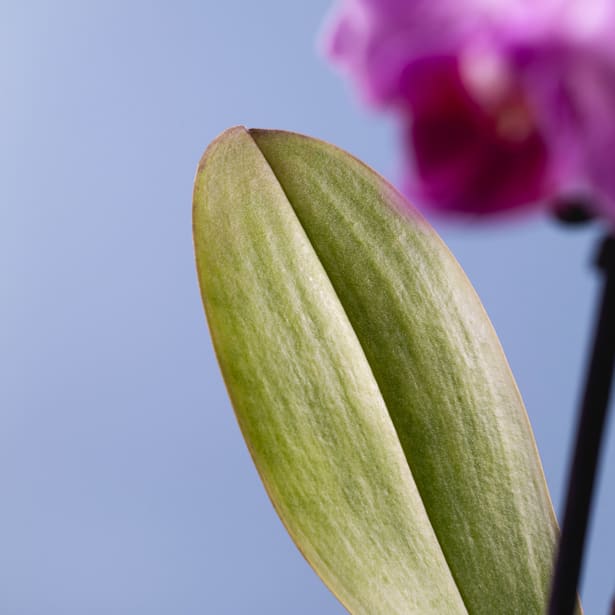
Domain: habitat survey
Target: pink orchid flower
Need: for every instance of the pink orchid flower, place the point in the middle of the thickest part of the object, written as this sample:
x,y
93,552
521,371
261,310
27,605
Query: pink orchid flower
x,y
504,104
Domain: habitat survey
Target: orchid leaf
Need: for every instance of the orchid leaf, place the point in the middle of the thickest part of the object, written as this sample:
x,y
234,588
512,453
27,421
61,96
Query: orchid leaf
x,y
368,383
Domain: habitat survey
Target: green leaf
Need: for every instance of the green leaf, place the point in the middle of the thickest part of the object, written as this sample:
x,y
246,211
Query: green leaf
x,y
368,383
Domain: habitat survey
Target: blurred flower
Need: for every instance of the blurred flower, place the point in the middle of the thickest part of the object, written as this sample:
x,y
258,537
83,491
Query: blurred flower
x,y
504,103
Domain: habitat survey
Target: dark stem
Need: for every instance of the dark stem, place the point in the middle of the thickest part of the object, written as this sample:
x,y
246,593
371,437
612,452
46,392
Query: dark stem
x,y
573,210
587,448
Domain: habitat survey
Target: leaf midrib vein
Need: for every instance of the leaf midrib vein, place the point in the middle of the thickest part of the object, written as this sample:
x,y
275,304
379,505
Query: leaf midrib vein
x,y
359,341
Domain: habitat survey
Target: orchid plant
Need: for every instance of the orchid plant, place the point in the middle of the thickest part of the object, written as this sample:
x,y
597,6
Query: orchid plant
x,y
369,385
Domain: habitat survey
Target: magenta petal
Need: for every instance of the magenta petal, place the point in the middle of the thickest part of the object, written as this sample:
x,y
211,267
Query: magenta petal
x,y
504,105
462,162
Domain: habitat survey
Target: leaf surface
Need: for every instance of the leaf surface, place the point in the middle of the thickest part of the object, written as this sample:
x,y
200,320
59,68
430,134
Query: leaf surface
x,y
368,383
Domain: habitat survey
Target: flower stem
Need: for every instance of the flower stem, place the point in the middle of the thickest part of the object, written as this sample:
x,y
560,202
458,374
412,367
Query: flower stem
x,y
588,440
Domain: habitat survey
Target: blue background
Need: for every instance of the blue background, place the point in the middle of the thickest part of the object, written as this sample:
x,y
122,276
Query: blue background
x,y
125,486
